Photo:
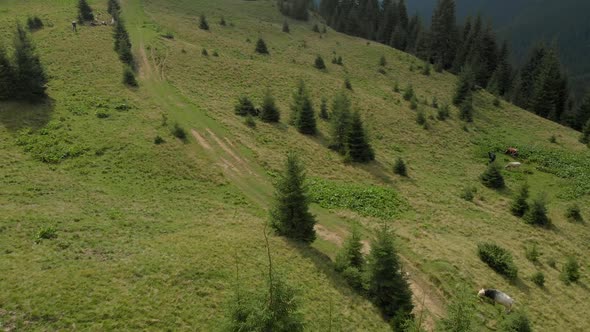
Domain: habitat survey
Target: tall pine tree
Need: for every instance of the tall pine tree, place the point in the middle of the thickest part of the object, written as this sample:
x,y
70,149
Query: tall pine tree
x,y
340,122
443,33
290,214
30,75
387,286
464,87
358,147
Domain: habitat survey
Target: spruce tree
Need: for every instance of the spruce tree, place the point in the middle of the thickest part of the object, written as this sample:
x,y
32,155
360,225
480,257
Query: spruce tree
x,y
464,87
298,97
358,147
324,109
466,110
492,177
261,47
537,213
340,122
350,260
382,61
319,63
520,206
444,35
29,73
222,21
245,107
270,111
400,167
7,76
585,138
387,287
203,24
84,11
286,27
123,43
129,77
306,122
290,214
582,114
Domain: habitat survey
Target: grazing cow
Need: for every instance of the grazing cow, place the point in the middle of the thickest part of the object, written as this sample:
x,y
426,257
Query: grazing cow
x,y
512,151
492,157
513,165
498,297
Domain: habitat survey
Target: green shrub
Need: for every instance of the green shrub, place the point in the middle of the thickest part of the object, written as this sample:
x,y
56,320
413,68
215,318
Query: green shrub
x,y
34,23
497,258
539,279
347,84
414,103
102,114
158,140
426,69
537,213
519,206
245,107
552,262
570,271
319,63
532,253
400,168
468,193
129,77
420,118
250,122
46,233
492,177
409,93
443,112
515,322
179,132
204,52
261,47
553,139
574,214
203,25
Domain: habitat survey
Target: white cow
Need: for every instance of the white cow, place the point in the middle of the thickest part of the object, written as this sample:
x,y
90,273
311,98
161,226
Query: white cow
x,y
498,297
513,165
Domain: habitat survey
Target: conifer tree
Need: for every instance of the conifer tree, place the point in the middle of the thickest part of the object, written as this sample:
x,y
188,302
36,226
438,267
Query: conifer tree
x,y
443,33
358,147
286,27
270,111
387,287
84,11
466,110
340,122
582,114
350,260
399,38
492,177
409,93
464,87
382,61
400,167
261,47
520,206
585,138
123,43
319,63
537,213
290,214
245,107
203,24
324,109
7,76
222,21
29,73
306,122
298,96
315,28
129,77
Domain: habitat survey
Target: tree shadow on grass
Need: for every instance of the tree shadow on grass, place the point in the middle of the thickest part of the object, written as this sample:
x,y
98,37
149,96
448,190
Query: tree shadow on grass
x,y
16,116
377,170
519,283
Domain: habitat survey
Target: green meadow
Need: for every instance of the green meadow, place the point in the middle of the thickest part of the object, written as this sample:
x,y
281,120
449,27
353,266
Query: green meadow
x,y
159,236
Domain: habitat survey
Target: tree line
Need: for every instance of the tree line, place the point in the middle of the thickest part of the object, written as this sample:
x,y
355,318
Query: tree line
x,y
540,85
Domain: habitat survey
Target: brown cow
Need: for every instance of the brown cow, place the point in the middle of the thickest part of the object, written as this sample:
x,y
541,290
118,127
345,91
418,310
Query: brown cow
x,y
512,151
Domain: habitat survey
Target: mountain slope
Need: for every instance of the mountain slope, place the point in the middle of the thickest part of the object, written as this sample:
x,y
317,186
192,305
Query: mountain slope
x,y
148,235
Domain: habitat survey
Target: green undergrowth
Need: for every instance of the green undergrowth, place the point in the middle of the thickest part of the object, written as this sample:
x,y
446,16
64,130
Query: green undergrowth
x,y
561,163
367,200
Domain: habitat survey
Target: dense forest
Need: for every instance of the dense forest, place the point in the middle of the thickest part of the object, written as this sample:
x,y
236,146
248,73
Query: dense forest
x,y
540,85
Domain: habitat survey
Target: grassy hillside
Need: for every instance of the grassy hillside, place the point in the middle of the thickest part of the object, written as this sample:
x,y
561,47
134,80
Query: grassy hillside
x,y
148,235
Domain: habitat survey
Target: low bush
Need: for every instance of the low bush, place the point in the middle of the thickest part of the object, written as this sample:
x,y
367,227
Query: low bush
x,y
443,112
245,107
574,214
129,77
179,132
515,322
46,233
468,193
570,271
497,258
539,279
537,213
400,168
250,122
532,253
158,140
